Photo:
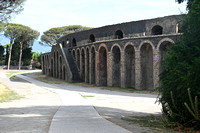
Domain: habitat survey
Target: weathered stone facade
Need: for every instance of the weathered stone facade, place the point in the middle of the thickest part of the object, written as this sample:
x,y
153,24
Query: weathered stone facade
x,y
126,55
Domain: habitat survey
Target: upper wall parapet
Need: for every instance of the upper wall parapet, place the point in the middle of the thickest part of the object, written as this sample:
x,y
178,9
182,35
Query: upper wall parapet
x,y
150,27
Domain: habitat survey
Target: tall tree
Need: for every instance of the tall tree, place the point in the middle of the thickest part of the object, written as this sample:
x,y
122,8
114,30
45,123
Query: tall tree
x,y
7,47
27,37
50,36
1,52
12,31
180,78
8,7
1,26
189,3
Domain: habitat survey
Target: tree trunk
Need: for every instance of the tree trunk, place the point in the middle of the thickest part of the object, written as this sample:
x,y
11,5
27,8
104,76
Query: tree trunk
x,y
20,55
10,53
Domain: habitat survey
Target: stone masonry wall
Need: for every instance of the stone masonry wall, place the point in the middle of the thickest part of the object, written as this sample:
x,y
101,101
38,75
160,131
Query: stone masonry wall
x,y
125,55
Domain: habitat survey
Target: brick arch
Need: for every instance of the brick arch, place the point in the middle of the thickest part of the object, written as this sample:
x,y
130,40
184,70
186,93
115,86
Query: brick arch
x,y
93,65
119,34
163,47
60,68
129,65
92,38
117,46
92,46
146,41
51,67
164,40
116,65
82,63
57,61
54,63
103,64
157,30
78,54
64,72
87,63
146,63
129,43
74,54
74,42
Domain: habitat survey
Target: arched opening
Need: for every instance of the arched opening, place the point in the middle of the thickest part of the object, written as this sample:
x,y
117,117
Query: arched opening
x,y
43,65
93,58
129,67
87,66
64,73
119,34
92,38
73,54
57,69
54,64
51,67
116,64
164,47
103,66
157,30
146,54
74,42
63,44
78,59
67,42
83,65
60,68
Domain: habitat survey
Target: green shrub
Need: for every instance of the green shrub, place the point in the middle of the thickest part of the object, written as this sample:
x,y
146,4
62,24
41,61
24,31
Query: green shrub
x,y
182,71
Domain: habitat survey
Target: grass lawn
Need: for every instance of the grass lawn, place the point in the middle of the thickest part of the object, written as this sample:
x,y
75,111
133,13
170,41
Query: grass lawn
x,y
130,90
151,121
11,73
7,95
51,80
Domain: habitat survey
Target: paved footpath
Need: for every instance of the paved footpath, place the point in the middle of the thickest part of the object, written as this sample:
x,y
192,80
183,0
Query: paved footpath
x,y
32,113
76,114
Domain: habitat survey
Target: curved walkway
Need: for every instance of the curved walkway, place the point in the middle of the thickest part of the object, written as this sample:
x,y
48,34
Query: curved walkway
x,y
76,114
30,114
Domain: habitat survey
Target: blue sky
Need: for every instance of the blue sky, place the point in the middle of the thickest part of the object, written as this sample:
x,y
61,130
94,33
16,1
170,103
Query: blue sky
x,y
42,15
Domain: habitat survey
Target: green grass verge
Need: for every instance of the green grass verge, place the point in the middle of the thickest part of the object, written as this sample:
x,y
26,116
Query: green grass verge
x,y
52,80
83,84
7,95
49,80
130,90
86,96
11,73
151,121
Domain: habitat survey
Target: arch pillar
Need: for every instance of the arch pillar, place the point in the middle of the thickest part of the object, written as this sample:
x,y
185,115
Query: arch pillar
x,y
97,68
122,69
156,69
109,73
87,65
137,70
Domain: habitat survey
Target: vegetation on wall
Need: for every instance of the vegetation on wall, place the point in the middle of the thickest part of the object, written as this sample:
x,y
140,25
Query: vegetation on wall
x,y
50,36
180,80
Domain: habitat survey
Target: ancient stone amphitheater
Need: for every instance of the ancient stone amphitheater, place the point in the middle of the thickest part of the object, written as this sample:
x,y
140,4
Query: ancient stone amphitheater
x,y
126,55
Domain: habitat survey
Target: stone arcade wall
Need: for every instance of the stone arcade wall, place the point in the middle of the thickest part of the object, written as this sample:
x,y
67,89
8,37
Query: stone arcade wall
x,y
126,55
